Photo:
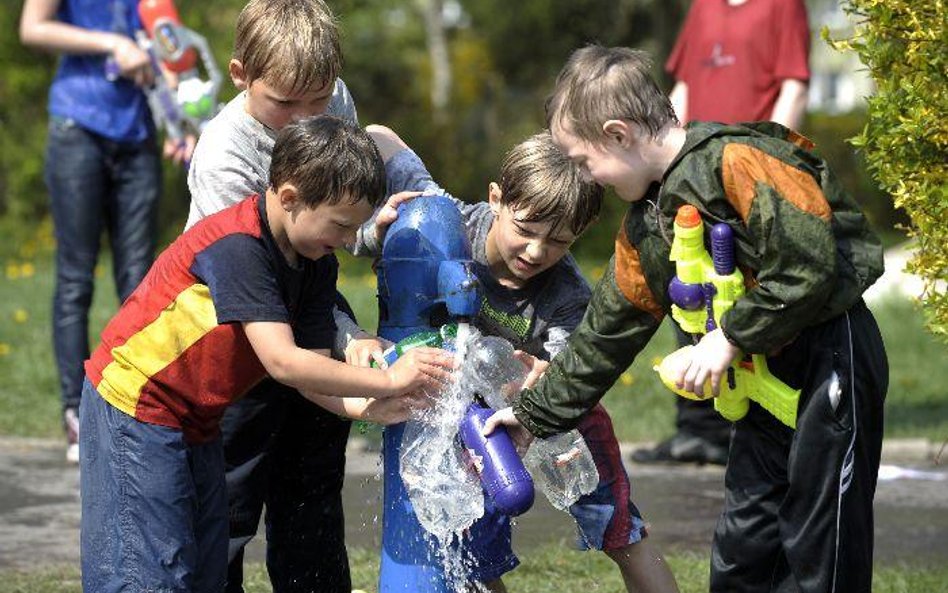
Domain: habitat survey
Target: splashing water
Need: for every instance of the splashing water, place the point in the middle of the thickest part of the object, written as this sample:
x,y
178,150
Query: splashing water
x,y
446,493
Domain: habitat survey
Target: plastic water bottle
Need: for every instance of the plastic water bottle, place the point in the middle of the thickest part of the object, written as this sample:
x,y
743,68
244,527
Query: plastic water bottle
x,y
495,459
562,467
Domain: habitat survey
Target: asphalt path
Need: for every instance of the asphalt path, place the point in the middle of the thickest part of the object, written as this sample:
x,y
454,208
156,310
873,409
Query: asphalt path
x,y
39,507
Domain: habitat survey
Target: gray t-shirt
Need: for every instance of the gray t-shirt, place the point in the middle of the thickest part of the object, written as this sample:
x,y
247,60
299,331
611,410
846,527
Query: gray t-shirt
x,y
232,158
232,162
537,318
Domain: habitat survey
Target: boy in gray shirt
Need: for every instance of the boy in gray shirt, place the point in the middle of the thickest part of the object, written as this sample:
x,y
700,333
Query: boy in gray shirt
x,y
534,296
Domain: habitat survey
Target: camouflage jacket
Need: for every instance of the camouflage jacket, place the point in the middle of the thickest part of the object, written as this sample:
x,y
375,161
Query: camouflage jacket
x,y
801,241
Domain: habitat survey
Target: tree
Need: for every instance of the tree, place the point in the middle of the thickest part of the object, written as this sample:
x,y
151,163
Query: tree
x,y
904,44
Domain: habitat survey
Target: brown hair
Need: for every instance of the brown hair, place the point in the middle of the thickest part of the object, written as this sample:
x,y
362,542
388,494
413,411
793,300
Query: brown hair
x,y
275,38
329,160
541,181
602,83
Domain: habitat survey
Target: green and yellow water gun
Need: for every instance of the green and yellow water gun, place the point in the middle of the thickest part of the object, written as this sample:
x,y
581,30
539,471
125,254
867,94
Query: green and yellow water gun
x,y
703,289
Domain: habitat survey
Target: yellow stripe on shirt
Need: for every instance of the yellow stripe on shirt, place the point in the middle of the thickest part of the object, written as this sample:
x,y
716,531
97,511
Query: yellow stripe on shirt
x,y
187,319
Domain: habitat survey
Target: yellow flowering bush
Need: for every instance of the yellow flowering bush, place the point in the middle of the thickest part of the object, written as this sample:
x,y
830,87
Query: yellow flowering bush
x,y
904,44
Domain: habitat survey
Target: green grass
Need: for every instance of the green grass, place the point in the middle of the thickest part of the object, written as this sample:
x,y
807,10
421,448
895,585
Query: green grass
x,y
642,409
551,568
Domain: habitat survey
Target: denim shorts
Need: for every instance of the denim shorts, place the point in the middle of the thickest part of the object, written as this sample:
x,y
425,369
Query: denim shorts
x,y
154,508
606,518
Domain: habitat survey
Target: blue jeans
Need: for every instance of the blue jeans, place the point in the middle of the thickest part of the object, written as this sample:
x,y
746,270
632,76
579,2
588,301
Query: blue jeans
x,y
95,184
154,508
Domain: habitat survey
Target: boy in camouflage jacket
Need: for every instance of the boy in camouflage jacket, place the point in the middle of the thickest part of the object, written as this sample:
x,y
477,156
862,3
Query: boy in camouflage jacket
x,y
798,506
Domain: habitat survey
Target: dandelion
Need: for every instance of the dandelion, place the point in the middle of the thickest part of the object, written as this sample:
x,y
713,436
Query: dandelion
x,y
4,349
20,316
627,378
597,272
13,270
27,270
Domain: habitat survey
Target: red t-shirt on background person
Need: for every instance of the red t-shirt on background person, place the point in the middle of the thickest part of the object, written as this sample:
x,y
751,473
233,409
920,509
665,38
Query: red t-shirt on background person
x,y
735,58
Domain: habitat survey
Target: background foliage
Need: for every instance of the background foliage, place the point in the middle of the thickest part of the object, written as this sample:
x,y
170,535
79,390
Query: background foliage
x,y
904,43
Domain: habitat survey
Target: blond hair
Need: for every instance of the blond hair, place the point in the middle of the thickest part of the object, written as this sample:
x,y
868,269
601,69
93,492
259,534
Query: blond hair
x,y
602,83
276,38
539,180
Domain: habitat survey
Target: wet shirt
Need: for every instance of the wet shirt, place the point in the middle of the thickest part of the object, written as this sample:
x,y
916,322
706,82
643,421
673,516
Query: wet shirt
x,y
800,239
176,354
537,318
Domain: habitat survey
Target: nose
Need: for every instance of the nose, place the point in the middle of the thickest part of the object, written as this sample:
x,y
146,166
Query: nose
x,y
535,251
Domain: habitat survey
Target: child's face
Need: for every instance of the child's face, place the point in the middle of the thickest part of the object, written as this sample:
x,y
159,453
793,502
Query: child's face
x,y
275,107
614,163
315,232
526,248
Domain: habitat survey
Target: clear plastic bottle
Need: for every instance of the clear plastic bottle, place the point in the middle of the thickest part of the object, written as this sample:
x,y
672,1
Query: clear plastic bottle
x,y
562,467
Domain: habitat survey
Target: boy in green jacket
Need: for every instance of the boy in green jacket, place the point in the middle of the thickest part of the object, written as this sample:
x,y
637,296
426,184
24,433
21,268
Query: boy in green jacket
x,y
798,506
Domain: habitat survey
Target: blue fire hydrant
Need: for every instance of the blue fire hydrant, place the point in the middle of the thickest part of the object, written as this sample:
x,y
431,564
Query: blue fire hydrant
x,y
425,280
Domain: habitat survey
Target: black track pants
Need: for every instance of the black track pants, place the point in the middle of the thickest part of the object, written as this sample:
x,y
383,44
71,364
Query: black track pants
x,y
798,507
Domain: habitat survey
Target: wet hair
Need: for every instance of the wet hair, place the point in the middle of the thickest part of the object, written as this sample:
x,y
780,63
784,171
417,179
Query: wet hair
x,y
538,180
329,160
602,83
275,38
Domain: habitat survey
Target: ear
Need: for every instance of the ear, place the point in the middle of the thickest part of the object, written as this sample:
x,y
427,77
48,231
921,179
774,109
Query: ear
x,y
237,75
289,197
494,194
618,131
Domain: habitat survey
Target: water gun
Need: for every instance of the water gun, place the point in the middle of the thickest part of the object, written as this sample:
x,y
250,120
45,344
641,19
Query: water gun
x,y
703,289
171,45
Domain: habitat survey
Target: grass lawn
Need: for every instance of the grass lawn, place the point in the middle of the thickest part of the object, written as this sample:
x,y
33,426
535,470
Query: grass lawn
x,y
642,409
547,569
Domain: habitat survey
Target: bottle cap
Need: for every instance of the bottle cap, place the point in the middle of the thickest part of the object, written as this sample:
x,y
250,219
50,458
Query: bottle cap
x,y
688,217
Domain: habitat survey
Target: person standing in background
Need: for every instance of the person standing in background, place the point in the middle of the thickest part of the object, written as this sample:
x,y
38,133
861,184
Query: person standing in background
x,y
733,61
102,167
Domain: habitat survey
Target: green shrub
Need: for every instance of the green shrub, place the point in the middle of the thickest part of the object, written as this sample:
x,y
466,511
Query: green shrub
x,y
903,44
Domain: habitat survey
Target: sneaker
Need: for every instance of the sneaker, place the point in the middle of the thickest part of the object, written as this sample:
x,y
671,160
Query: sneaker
x,y
71,425
683,448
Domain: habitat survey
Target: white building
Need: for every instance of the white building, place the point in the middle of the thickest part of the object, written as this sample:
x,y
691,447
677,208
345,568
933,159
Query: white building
x,y
839,82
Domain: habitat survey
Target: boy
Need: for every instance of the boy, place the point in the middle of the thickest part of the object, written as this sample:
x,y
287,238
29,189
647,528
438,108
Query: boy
x,y
246,293
534,295
798,505
282,451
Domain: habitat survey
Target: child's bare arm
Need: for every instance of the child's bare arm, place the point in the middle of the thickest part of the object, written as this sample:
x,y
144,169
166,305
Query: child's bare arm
x,y
389,410
309,372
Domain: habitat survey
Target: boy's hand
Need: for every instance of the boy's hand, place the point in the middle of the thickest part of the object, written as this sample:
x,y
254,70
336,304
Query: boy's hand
x,y
394,410
365,348
535,366
520,435
710,358
422,369
389,212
